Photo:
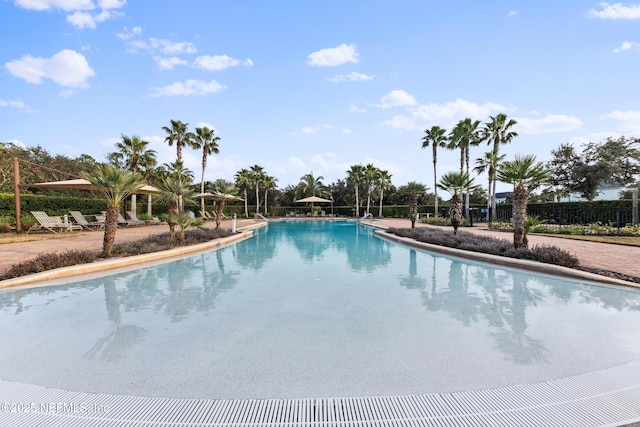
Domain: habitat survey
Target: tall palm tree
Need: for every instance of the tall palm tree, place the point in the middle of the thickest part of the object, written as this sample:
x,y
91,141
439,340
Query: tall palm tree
x,y
268,183
464,135
383,182
116,185
486,164
525,174
243,181
369,176
456,183
436,138
178,133
206,140
414,190
311,186
496,132
257,175
136,156
354,175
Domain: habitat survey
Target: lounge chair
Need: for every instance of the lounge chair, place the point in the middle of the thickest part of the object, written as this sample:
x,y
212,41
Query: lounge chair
x,y
82,221
54,224
125,222
134,218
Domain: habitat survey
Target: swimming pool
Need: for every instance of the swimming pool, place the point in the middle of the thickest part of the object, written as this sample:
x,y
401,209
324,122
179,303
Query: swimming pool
x,y
313,309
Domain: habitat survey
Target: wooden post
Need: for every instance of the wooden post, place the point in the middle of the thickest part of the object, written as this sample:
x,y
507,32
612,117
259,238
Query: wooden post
x,y
16,190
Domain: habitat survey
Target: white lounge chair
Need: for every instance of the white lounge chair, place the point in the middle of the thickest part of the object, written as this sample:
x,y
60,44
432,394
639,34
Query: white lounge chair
x,y
54,224
82,221
134,218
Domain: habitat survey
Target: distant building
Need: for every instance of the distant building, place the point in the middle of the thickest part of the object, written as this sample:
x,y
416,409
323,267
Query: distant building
x,y
604,192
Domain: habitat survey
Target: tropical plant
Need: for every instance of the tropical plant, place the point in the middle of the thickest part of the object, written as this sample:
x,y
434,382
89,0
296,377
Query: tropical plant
x,y
383,182
436,138
530,225
311,186
497,132
175,193
464,135
179,134
456,183
185,220
257,175
369,176
354,175
206,140
413,190
243,181
223,192
116,185
525,173
268,183
487,164
137,157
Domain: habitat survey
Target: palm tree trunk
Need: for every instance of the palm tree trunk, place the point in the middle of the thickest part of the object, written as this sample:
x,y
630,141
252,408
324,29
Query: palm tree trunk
x,y
455,212
219,209
435,180
257,198
413,211
357,202
368,201
265,201
520,196
246,206
110,227
204,164
488,197
381,195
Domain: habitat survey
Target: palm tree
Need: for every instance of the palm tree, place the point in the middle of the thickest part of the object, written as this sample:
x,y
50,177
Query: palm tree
x,y
223,192
525,174
257,174
311,186
414,190
116,185
243,181
178,133
369,176
497,132
136,156
175,193
463,136
268,183
354,174
456,183
206,140
436,138
383,182
484,164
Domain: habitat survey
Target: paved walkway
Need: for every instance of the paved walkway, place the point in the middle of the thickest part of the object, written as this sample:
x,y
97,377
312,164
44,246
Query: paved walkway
x,y
621,259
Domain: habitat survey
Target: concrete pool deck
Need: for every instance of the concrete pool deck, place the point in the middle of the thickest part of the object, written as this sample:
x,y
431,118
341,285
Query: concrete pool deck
x,y
604,397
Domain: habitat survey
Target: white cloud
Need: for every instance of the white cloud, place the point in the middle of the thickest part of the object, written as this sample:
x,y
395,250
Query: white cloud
x,y
296,162
353,108
66,5
14,104
397,98
347,131
187,88
334,56
307,130
128,34
627,45
65,93
219,62
446,115
166,47
169,63
630,120
67,68
549,124
351,77
616,11
85,12
512,13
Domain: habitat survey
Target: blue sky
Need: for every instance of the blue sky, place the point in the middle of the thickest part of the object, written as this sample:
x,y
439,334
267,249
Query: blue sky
x,y
299,86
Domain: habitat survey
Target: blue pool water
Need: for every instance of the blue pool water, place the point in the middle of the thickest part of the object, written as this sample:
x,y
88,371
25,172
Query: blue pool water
x,y
313,309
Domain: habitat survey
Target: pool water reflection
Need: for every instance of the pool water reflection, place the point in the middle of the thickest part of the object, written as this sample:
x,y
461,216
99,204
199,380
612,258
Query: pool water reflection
x,y
313,309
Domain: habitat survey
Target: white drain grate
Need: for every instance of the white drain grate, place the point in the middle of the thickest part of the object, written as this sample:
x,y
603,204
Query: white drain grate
x,y
608,397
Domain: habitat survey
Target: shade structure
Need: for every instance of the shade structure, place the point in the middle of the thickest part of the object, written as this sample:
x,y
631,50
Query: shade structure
x,y
83,184
313,199
219,196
